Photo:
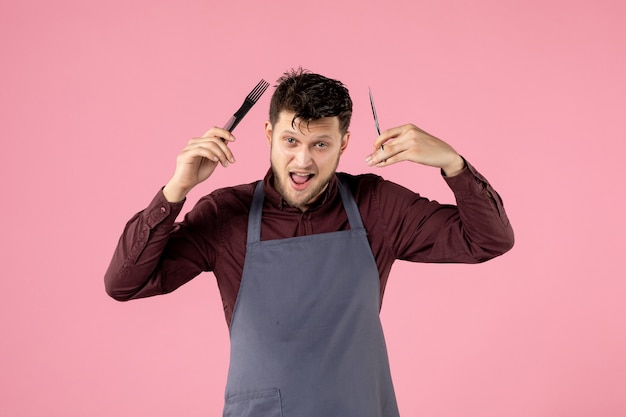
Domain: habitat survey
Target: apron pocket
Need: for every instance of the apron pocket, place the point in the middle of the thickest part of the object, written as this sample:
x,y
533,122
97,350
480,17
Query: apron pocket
x,y
264,403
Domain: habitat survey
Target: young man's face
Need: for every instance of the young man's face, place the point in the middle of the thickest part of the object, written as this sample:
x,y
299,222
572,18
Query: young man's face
x,y
304,156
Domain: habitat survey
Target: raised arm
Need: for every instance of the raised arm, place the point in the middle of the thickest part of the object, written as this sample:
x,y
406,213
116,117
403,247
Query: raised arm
x,y
154,254
475,230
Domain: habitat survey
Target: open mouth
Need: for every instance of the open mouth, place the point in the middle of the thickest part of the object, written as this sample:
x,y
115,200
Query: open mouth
x,y
300,181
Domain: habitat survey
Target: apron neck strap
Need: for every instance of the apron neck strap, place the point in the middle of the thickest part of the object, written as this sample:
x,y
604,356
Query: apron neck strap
x,y
256,210
352,210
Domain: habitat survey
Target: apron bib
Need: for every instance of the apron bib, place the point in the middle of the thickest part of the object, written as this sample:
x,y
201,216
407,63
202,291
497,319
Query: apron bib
x,y
306,338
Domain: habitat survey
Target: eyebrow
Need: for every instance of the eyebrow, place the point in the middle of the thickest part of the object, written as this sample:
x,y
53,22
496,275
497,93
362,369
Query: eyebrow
x,y
293,132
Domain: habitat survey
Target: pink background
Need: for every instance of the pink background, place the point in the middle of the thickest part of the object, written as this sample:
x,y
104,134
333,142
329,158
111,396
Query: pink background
x,y
98,97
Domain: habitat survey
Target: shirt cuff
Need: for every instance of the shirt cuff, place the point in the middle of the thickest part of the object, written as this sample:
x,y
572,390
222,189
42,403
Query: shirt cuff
x,y
468,182
162,211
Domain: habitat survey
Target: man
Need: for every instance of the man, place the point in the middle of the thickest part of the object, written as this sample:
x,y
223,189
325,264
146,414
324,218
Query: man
x,y
302,257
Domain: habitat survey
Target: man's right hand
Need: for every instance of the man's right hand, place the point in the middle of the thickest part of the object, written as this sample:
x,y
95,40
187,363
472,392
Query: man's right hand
x,y
197,161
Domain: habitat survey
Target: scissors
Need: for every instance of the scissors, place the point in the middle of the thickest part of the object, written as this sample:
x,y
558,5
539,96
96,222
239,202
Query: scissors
x,y
382,147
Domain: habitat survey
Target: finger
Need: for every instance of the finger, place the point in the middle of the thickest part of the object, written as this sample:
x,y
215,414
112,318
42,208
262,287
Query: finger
x,y
386,151
226,151
214,150
386,136
211,141
389,161
218,132
193,151
391,158
221,151
379,153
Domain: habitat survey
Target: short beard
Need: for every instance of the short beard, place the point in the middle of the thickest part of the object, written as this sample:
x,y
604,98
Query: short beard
x,y
311,196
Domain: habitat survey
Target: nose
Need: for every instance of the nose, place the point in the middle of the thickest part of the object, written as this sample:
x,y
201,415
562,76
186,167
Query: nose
x,y
303,157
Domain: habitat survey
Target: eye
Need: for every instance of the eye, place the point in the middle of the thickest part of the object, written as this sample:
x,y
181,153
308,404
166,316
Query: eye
x,y
290,140
321,145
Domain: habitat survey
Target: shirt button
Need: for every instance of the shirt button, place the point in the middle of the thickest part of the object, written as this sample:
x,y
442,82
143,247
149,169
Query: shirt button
x,y
163,209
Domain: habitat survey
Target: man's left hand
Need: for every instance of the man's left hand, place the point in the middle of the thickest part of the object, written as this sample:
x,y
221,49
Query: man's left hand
x,y
410,143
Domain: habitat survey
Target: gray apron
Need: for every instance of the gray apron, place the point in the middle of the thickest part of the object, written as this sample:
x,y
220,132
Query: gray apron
x,y
306,338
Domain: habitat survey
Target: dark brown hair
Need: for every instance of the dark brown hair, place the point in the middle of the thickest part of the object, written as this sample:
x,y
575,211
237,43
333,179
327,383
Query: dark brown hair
x,y
311,97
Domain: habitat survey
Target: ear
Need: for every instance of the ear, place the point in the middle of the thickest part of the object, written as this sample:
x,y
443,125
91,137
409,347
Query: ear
x,y
268,132
344,142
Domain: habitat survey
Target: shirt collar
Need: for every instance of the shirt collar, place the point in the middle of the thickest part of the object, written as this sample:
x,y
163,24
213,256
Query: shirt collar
x,y
276,199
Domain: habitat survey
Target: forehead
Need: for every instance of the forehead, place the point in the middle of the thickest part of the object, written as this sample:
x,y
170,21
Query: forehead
x,y
285,122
